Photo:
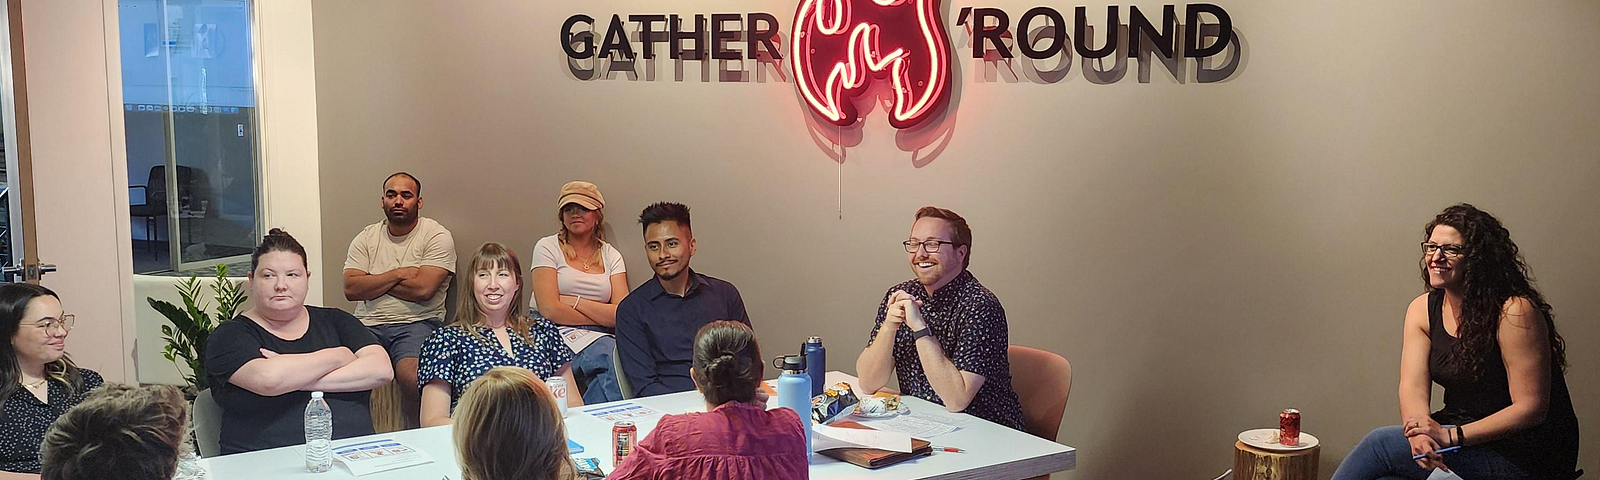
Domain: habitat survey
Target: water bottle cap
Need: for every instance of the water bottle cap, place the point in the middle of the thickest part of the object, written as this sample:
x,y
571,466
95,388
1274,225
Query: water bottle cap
x,y
316,395
793,363
814,339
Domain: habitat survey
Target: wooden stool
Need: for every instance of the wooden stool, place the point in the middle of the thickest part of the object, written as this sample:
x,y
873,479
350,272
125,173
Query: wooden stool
x,y
1251,463
386,409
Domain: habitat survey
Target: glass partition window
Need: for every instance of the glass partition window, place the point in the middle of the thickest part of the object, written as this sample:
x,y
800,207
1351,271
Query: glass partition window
x,y
188,87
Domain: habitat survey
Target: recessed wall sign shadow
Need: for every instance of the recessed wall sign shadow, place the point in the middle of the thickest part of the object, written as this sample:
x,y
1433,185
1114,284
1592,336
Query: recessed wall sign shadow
x,y
725,47
1049,45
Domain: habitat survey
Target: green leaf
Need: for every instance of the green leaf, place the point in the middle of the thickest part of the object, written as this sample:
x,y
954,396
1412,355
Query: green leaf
x,y
191,325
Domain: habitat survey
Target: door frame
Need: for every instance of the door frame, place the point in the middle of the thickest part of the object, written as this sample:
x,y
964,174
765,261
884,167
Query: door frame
x,y
19,148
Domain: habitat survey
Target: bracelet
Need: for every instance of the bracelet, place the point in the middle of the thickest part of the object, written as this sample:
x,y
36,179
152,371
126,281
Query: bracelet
x,y
1461,436
575,300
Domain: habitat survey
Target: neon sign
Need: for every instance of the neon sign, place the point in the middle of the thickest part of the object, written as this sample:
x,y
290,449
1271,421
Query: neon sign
x,y
841,46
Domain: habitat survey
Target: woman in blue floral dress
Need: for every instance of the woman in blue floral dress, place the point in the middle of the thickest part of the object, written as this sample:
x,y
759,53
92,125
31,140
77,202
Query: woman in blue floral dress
x,y
490,329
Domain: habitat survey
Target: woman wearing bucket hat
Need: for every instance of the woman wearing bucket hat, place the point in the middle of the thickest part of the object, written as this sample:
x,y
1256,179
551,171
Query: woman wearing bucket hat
x,y
578,279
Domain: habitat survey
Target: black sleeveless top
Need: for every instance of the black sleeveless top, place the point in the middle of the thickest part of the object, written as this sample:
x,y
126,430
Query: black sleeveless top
x,y
1547,450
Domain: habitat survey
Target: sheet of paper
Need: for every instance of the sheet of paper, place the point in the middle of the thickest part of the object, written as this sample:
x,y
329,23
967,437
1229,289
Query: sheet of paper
x,y
939,415
914,425
1443,475
578,339
826,438
621,411
379,455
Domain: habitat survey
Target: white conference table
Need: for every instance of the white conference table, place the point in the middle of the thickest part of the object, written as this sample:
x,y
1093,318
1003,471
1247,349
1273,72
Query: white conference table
x,y
991,451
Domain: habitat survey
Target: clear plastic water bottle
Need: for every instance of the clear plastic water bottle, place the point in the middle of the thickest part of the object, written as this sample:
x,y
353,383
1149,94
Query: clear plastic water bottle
x,y
794,388
319,435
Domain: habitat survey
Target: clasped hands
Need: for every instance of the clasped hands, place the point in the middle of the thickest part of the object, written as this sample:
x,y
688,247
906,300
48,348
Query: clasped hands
x,y
906,310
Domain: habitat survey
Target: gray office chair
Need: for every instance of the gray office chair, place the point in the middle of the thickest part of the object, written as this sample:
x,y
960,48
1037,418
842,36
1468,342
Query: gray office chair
x,y
207,418
622,378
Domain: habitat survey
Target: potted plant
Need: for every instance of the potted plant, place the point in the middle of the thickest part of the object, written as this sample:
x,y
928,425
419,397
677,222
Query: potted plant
x,y
192,324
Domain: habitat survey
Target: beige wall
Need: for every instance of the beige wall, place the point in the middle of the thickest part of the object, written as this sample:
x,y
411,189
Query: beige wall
x,y
80,175
1204,254
287,82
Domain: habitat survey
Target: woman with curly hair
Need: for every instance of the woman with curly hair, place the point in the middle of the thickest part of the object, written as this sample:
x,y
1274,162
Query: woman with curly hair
x,y
1483,332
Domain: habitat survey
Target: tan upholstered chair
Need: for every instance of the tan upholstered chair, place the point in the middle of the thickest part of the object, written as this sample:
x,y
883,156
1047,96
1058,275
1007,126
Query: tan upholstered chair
x,y
1042,381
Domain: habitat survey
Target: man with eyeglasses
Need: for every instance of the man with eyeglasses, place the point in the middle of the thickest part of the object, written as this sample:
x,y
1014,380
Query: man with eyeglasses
x,y
656,323
947,334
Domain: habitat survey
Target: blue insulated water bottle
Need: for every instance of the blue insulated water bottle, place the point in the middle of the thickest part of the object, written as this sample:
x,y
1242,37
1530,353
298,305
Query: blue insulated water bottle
x,y
816,364
793,386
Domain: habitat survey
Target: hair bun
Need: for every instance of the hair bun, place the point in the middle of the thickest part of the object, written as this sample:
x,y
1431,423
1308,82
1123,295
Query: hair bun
x,y
722,369
277,232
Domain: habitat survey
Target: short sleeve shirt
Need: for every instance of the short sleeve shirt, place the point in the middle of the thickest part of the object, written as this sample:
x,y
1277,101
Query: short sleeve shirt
x,y
458,357
970,325
375,251
570,280
26,419
254,422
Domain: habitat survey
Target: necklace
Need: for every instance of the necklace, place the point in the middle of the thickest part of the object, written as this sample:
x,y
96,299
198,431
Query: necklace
x,y
584,259
34,384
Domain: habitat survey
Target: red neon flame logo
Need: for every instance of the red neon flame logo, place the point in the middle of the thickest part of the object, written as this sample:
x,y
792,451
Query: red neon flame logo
x,y
837,43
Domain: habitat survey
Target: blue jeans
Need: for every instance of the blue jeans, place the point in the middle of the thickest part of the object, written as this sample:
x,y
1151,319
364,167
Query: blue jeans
x,y
591,370
1386,454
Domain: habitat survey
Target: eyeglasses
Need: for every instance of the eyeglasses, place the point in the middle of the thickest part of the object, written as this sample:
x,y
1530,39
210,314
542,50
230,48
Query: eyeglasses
x,y
64,323
931,246
1450,251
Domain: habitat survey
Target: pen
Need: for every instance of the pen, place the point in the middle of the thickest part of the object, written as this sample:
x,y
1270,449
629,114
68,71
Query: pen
x,y
1439,451
948,449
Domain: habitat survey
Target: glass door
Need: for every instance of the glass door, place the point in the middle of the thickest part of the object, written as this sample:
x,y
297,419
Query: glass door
x,y
188,78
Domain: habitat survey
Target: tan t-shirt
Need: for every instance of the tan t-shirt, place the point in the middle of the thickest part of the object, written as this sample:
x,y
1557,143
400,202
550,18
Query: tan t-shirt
x,y
375,251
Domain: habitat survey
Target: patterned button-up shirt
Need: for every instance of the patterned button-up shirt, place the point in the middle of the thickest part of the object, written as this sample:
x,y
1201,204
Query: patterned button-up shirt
x,y
970,325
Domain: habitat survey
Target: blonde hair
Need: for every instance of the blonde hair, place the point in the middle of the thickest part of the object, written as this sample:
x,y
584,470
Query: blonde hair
x,y
492,256
120,431
599,236
508,427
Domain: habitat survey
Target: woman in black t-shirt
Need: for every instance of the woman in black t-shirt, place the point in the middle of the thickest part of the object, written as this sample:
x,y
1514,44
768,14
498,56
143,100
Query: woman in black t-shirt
x,y
264,364
1483,332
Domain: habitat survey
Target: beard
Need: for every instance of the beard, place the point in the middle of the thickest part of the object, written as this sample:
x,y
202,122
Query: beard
x,y
405,218
665,274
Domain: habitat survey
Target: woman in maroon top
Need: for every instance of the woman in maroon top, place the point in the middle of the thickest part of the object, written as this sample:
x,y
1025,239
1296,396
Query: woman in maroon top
x,y
737,437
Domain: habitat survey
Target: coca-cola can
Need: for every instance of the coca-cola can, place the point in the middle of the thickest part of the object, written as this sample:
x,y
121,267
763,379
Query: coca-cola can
x,y
558,388
623,438
1289,427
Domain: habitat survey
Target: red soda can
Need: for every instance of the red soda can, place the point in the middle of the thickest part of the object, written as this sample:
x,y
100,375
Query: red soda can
x,y
623,438
1289,427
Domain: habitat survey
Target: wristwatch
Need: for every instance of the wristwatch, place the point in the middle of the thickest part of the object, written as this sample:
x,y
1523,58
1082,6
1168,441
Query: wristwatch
x,y
925,332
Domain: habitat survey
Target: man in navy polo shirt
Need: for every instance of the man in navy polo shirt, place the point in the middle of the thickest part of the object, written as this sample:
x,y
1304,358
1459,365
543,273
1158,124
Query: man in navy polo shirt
x,y
656,323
